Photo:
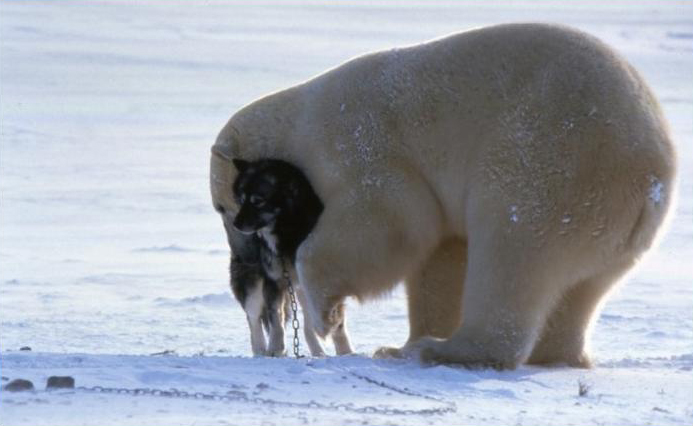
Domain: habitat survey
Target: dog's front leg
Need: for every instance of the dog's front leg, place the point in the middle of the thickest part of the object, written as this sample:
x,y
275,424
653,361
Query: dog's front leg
x,y
276,301
257,337
254,305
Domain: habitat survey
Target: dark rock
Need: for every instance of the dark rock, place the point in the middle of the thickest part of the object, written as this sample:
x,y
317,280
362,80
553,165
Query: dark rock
x,y
25,348
18,385
60,382
167,352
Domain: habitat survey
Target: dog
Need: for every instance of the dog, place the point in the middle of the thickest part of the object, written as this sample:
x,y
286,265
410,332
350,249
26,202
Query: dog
x,y
278,209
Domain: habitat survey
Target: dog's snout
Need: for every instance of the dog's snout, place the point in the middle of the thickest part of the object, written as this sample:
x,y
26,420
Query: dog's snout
x,y
241,227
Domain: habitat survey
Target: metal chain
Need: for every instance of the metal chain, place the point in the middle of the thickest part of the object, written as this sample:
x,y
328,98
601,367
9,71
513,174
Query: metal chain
x,y
294,308
238,396
402,391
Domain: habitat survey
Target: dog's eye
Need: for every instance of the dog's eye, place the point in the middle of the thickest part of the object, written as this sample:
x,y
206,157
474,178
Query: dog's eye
x,y
257,201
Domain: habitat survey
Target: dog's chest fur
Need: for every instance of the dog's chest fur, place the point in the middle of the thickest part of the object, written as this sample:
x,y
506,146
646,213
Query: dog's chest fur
x,y
270,256
270,238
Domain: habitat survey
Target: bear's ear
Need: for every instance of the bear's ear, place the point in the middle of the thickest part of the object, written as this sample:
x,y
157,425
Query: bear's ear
x,y
294,190
241,165
292,194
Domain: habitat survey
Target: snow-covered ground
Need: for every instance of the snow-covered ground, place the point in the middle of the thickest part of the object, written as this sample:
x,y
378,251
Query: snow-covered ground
x,y
110,250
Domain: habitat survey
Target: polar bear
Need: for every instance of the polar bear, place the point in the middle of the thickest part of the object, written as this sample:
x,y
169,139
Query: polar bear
x,y
509,175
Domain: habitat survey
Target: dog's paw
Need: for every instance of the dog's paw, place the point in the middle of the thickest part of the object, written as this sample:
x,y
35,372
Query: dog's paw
x,y
279,353
259,353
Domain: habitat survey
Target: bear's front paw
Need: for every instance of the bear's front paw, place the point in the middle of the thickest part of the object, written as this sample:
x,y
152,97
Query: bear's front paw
x,y
387,352
424,350
419,350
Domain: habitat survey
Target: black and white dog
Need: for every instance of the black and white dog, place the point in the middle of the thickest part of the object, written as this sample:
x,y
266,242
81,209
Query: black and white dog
x,y
278,209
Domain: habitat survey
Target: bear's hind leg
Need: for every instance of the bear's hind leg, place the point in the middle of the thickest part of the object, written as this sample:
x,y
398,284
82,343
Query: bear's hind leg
x,y
565,336
508,294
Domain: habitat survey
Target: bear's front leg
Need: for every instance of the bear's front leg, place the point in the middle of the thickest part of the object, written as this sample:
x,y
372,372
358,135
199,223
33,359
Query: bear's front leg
x,y
434,292
509,290
314,344
360,248
318,299
434,295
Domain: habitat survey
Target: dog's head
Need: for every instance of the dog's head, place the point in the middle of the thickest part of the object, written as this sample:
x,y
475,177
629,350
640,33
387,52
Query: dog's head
x,y
264,190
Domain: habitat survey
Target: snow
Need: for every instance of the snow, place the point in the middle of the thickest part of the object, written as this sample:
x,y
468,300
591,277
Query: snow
x,y
513,214
110,250
656,189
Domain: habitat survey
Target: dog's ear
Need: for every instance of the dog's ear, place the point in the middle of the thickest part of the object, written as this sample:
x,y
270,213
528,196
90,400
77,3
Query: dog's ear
x,y
241,165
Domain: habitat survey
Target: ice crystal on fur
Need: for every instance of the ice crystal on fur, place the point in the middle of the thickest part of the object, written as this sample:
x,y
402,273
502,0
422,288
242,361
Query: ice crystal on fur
x,y
656,190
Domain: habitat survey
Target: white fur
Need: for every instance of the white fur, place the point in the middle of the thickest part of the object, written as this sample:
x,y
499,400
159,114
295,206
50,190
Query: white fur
x,y
269,237
509,175
254,303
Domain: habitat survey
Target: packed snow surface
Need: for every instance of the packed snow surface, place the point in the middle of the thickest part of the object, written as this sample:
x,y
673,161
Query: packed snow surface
x,y
110,250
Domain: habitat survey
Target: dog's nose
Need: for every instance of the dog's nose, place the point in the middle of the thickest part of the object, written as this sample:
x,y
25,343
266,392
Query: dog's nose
x,y
240,228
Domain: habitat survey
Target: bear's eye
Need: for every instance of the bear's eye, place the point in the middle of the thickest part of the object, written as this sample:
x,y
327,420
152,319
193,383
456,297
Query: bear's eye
x,y
257,200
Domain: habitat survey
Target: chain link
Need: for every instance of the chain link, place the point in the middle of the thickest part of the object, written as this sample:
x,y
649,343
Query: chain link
x,y
238,396
294,309
402,391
